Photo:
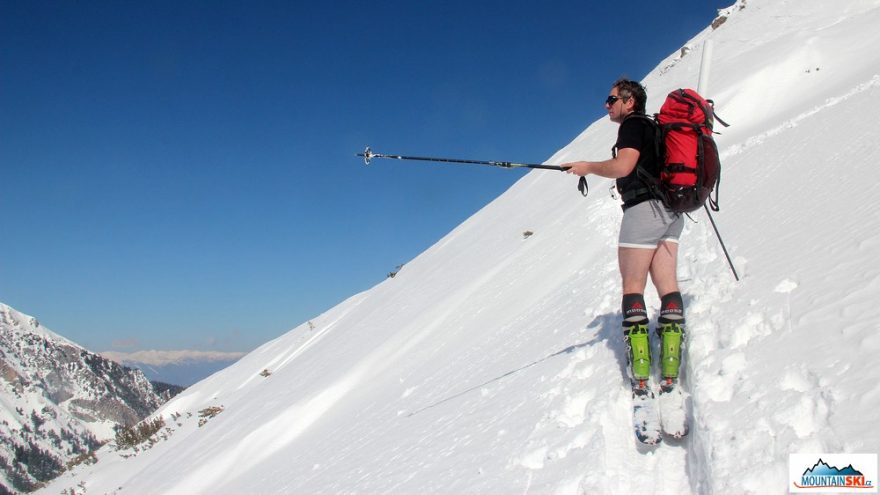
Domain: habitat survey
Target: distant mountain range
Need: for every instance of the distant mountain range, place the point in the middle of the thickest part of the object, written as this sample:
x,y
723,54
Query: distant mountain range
x,y
59,401
182,368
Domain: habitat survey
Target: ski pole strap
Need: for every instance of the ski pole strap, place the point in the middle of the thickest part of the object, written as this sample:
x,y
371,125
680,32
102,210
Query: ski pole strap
x,y
583,187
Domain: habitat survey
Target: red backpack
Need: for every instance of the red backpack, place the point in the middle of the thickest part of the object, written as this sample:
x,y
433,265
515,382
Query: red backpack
x,y
690,168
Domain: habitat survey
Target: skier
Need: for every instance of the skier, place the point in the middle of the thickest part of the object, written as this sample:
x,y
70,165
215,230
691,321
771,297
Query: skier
x,y
648,240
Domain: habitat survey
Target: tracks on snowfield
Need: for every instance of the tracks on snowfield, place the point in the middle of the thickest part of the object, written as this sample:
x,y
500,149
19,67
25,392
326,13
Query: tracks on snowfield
x,y
584,443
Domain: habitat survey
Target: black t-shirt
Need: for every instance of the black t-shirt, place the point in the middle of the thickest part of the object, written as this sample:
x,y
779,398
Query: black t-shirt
x,y
637,133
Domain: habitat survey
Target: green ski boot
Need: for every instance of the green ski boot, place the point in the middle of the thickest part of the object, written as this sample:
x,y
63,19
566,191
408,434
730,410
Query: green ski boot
x,y
638,347
671,342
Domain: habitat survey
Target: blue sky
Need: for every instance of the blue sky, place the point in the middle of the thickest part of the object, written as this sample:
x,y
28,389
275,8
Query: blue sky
x,y
181,175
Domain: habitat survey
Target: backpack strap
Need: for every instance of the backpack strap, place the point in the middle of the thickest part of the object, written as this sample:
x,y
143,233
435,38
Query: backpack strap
x,y
652,183
630,195
716,117
713,203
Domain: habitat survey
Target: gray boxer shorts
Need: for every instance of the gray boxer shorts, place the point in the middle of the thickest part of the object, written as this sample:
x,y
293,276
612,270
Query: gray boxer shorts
x,y
647,224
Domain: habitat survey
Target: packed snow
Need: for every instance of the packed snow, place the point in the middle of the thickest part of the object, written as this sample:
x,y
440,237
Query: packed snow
x,y
493,362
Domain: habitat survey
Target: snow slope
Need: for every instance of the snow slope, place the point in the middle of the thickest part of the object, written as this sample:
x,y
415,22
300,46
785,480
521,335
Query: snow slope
x,y
493,363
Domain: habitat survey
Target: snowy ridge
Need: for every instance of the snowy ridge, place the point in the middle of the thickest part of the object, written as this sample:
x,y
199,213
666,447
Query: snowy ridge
x,y
21,324
493,362
59,401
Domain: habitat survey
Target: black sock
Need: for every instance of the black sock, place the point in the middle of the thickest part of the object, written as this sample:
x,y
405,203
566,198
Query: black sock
x,y
671,308
634,310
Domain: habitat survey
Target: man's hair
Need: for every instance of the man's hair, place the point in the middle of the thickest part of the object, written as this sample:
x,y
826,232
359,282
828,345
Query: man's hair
x,y
631,89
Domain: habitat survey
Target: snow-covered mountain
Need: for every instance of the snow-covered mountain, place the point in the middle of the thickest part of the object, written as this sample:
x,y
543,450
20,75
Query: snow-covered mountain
x,y
493,362
58,401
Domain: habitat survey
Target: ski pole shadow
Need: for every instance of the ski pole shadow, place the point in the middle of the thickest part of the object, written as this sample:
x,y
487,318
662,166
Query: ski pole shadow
x,y
605,324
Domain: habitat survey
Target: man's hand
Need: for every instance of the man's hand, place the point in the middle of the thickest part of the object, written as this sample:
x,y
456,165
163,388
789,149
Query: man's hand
x,y
619,166
577,168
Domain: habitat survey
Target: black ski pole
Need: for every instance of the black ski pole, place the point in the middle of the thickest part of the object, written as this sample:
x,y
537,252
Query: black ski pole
x,y
723,247
368,155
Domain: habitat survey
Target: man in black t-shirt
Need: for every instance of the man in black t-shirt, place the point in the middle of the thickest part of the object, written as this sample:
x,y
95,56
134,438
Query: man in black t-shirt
x,y
649,232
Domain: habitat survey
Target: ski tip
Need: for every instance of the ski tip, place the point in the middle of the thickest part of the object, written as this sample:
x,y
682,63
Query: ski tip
x,y
650,441
676,435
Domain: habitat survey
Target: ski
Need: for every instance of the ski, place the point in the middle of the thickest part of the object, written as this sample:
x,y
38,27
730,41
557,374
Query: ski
x,y
673,409
646,421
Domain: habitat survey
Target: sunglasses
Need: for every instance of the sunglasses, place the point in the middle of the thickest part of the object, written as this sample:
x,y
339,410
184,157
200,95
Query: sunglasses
x,y
611,100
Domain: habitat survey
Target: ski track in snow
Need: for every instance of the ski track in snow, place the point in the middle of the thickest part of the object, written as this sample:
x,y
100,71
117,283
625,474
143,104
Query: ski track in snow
x,y
589,411
736,149
726,334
